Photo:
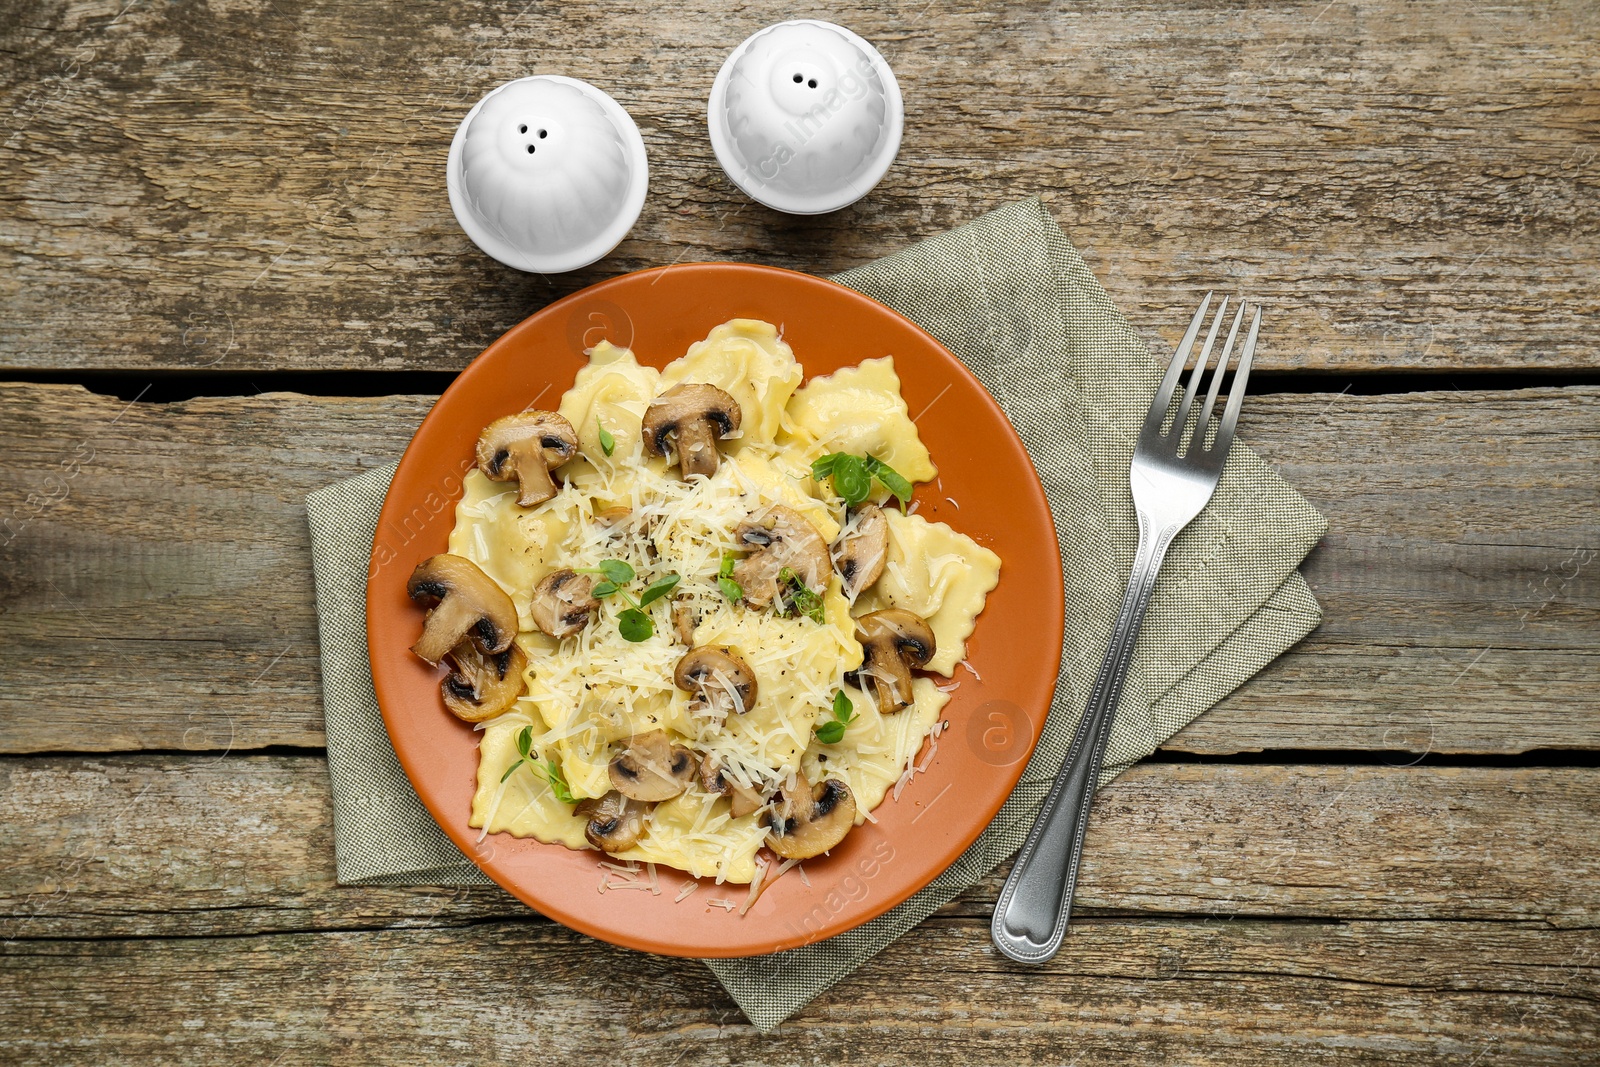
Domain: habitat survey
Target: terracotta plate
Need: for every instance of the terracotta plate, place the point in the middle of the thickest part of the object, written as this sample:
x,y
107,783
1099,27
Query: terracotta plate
x,y
987,489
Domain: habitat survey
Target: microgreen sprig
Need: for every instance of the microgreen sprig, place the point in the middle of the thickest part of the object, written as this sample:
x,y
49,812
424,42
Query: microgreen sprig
x,y
608,444
800,599
831,732
558,782
632,622
658,589
730,588
852,477
548,769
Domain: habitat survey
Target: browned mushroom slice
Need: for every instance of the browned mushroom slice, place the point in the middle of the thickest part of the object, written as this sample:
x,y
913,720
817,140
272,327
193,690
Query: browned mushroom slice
x,y
464,602
807,821
614,518
862,549
684,620
742,800
615,822
481,684
563,603
893,641
527,446
652,768
690,418
717,677
781,539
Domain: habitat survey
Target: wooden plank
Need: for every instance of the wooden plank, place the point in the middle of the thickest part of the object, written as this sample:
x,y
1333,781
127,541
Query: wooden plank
x,y
249,186
186,846
1157,991
155,570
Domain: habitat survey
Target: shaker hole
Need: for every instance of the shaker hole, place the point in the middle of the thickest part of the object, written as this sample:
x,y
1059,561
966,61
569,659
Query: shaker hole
x,y
798,79
812,83
543,134
531,150
522,129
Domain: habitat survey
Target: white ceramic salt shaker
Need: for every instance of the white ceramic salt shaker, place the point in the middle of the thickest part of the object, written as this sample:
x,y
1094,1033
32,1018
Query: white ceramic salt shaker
x,y
805,117
547,174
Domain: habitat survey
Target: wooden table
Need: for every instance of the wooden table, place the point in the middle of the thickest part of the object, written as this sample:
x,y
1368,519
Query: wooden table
x,y
231,276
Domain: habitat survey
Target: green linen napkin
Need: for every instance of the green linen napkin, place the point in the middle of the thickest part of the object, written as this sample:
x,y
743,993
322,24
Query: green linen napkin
x,y
1012,298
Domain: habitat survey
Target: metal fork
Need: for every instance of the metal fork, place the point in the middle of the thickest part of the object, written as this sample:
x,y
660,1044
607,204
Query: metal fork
x,y
1171,485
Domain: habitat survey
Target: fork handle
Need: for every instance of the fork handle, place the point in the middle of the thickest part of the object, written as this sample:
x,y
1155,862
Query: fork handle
x,y
1030,918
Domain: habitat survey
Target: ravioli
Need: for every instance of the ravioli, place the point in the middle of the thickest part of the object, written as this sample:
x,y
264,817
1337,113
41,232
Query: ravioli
x,y
798,665
940,574
514,545
611,393
746,359
877,748
694,833
859,410
585,696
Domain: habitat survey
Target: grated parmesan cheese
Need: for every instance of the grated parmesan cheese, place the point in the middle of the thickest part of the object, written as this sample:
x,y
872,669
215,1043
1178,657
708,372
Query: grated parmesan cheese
x,y
586,694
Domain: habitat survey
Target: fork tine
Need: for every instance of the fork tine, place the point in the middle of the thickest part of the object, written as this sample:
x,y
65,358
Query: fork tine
x,y
1199,437
1180,358
1199,372
1236,391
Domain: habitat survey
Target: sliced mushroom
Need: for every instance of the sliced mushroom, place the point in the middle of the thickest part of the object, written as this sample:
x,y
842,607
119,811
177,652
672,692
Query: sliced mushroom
x,y
742,800
807,821
684,620
717,677
893,641
563,602
652,767
615,518
782,539
527,446
464,602
862,550
691,417
481,684
616,822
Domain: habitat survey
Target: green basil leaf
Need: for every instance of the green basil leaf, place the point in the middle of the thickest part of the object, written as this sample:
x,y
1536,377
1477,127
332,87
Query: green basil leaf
x,y
726,569
843,709
608,444
823,466
892,479
831,733
658,589
731,589
558,782
635,625
851,480
524,741
616,571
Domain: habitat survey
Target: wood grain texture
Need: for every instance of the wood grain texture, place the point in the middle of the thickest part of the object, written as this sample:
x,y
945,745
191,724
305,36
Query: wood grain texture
x,y
163,549
246,185
258,184
179,909
1155,991
164,845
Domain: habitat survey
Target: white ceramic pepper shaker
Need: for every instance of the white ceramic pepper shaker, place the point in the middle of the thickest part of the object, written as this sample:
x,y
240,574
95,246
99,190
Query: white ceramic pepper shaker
x,y
805,117
547,174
